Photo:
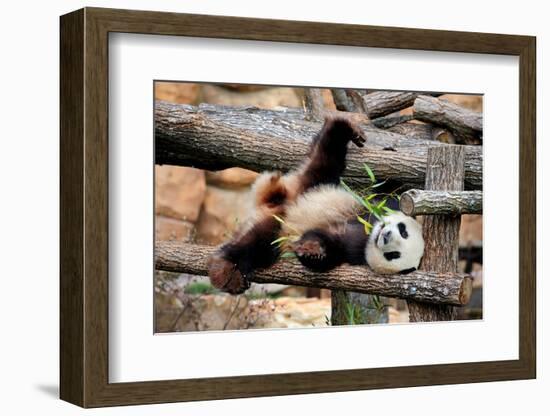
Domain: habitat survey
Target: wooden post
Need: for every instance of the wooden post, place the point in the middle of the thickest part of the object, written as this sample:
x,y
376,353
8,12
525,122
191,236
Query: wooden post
x,y
444,171
313,104
350,308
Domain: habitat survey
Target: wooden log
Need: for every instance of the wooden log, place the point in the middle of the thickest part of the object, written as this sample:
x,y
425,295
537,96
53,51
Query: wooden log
x,y
445,171
381,103
425,286
313,104
443,135
342,101
391,120
356,97
414,131
375,104
421,202
425,132
218,137
466,125
352,308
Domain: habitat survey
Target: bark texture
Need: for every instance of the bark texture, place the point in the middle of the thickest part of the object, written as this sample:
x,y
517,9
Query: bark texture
x,y
313,104
445,171
381,103
466,125
342,101
217,137
421,202
391,120
414,131
423,286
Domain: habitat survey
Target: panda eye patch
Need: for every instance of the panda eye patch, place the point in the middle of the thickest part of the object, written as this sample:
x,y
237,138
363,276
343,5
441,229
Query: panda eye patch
x,y
403,230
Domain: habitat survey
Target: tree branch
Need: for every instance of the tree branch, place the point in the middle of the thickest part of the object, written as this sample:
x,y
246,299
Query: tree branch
x,y
420,202
218,137
466,125
422,286
381,103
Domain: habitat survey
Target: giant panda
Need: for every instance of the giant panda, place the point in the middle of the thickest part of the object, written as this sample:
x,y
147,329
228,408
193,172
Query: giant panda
x,y
318,216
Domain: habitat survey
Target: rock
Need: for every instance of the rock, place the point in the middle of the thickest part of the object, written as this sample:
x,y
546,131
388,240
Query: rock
x,y
171,229
222,212
177,92
231,178
295,292
396,316
166,311
471,230
328,99
223,311
472,102
297,313
265,98
179,192
477,274
266,289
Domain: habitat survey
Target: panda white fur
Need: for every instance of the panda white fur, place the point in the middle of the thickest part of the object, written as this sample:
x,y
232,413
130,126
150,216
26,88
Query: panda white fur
x,y
395,244
324,219
319,216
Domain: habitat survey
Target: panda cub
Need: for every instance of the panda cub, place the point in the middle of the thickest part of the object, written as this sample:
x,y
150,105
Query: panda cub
x,y
395,244
319,219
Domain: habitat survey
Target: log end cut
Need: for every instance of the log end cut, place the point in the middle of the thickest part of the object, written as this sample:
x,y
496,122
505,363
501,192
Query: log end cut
x,y
465,292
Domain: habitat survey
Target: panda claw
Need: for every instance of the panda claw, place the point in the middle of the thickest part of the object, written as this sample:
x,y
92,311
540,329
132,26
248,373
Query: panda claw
x,y
309,248
225,275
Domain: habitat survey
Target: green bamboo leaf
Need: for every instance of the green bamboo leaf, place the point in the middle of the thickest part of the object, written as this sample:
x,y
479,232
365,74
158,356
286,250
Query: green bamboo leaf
x,y
278,218
381,204
366,224
376,185
348,189
370,173
371,196
279,240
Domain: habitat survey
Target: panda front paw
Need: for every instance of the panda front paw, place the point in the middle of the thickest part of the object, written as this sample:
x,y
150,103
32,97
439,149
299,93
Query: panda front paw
x,y
225,275
309,249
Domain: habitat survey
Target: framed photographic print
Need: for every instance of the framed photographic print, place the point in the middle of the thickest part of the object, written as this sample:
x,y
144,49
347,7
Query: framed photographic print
x,y
261,207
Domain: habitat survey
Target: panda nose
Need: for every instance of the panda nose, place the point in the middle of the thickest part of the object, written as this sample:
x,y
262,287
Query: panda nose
x,y
387,236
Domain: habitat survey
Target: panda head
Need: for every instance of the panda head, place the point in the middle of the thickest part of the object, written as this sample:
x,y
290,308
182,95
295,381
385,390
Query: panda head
x,y
395,244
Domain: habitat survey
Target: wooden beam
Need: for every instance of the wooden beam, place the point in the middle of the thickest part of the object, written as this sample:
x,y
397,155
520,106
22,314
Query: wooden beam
x,y
313,104
217,137
445,171
382,103
466,125
421,202
422,286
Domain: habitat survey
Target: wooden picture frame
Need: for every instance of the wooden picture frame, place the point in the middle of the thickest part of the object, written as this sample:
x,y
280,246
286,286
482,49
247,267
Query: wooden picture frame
x,y
84,207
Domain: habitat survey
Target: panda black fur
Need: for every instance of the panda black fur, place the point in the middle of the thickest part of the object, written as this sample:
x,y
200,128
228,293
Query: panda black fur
x,y
329,238
316,212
